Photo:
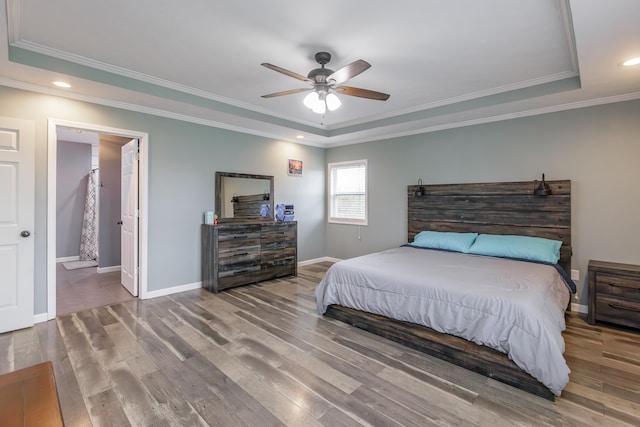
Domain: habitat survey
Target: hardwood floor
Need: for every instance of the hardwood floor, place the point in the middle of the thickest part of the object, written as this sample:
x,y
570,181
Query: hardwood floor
x,y
259,355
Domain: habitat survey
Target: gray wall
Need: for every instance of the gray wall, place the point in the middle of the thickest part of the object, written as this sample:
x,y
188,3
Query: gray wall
x,y
183,159
109,230
73,168
597,148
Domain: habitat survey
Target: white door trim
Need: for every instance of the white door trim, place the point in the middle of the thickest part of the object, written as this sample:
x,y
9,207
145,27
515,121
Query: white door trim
x,y
143,174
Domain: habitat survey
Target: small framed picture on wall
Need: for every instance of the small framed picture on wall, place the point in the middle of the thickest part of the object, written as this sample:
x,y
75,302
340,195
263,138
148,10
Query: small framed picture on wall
x,y
295,167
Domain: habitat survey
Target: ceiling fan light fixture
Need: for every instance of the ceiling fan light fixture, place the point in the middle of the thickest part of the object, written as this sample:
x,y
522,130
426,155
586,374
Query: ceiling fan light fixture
x,y
333,102
320,107
311,100
631,62
325,83
321,101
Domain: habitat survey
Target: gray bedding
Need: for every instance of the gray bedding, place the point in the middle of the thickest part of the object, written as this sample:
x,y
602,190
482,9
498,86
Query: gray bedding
x,y
515,307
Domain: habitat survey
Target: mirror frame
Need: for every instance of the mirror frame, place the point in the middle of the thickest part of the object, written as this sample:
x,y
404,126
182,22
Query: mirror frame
x,y
218,210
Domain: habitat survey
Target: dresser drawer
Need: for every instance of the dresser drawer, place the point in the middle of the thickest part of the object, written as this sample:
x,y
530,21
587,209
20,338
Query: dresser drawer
x,y
279,232
275,253
618,285
239,256
229,233
238,269
279,267
239,277
279,261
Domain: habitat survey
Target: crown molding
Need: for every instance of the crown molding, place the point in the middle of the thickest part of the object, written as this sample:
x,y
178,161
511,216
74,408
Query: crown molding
x,y
496,118
327,140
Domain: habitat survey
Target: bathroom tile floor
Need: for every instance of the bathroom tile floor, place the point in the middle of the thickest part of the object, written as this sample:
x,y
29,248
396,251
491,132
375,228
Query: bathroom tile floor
x,y
85,288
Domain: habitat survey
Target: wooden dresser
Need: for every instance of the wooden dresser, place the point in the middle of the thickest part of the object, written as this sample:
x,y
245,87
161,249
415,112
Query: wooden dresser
x,y
239,253
614,293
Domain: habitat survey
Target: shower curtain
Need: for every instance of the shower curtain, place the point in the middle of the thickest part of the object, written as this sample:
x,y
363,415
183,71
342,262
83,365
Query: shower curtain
x,y
89,237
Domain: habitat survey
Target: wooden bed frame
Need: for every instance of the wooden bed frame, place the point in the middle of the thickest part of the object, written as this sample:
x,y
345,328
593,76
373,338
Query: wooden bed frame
x,y
492,208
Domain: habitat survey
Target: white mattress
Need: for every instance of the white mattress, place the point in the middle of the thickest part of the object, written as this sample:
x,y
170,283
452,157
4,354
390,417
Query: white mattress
x,y
515,307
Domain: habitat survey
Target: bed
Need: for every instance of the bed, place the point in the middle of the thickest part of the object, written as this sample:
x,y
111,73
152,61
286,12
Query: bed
x,y
498,316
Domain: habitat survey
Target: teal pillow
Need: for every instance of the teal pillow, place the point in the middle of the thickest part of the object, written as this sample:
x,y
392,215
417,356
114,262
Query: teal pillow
x,y
522,247
459,242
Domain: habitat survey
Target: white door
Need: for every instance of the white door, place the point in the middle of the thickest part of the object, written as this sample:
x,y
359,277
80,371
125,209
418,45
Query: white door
x,y
17,213
129,217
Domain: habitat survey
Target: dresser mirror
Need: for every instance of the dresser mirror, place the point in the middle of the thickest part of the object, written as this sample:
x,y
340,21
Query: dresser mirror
x,y
242,197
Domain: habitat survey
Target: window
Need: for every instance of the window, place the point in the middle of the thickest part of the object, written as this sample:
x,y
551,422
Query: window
x,y
348,192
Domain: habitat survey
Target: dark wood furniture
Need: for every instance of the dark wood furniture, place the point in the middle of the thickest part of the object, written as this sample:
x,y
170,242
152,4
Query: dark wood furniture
x,y
28,397
614,293
239,253
240,196
495,208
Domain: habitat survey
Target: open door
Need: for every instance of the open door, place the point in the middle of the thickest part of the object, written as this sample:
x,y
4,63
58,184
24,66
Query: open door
x,y
17,220
129,217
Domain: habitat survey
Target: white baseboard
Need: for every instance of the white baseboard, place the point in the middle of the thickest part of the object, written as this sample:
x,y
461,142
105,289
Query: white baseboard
x,y
579,308
108,269
198,285
172,290
41,317
68,258
317,260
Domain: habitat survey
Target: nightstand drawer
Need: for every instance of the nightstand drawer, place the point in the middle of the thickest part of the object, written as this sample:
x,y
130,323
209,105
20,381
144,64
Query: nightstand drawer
x,y
617,310
619,286
614,293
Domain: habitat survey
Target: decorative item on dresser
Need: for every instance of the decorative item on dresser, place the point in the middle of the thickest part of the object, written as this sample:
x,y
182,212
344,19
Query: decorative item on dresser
x,y
239,253
614,293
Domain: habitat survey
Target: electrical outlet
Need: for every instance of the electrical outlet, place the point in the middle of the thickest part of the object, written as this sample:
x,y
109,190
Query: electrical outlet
x,y
575,274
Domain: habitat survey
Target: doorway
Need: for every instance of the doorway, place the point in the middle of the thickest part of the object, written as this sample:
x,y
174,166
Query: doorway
x,y
111,277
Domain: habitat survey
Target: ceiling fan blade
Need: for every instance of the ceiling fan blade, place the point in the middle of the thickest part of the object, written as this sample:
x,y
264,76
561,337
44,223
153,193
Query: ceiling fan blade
x,y
287,92
287,72
362,93
348,72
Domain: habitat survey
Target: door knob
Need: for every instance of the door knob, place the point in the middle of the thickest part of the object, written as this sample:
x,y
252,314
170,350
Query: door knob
x,y
25,233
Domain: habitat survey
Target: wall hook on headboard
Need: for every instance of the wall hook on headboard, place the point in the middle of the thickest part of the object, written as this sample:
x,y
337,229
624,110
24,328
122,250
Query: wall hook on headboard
x,y
420,190
542,189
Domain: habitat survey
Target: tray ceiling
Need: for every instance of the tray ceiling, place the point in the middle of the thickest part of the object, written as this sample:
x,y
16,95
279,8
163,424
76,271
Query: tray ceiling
x,y
445,64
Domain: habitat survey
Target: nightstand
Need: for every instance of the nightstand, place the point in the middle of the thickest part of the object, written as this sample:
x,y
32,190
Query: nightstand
x,y
614,293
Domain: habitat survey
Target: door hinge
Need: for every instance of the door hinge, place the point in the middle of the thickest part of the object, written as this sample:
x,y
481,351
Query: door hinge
x,y
137,155
137,213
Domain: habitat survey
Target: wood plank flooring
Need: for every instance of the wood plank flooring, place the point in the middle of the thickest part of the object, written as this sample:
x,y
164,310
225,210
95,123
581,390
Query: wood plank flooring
x,y
259,355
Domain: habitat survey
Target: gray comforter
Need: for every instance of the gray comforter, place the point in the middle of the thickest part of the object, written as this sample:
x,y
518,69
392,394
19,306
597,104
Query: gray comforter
x,y
515,307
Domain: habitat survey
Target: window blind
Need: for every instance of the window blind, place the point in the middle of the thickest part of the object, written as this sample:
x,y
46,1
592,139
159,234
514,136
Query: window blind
x,y
348,192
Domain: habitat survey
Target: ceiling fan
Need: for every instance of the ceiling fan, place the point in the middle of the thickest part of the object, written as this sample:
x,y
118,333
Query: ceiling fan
x,y
326,83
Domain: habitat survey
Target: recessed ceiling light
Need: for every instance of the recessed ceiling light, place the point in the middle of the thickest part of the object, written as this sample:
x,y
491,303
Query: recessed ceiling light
x,y
631,62
62,84
300,136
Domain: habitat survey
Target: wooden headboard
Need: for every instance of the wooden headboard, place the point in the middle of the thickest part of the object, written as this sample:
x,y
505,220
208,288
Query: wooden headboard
x,y
494,208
